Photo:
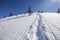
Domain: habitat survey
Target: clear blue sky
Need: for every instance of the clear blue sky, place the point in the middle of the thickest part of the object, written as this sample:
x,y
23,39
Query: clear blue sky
x,y
21,6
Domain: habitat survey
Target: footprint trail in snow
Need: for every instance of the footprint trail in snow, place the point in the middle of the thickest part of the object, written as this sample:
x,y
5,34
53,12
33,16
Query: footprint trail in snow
x,y
37,30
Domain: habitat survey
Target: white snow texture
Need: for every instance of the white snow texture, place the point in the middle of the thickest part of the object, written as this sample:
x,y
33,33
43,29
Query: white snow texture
x,y
38,26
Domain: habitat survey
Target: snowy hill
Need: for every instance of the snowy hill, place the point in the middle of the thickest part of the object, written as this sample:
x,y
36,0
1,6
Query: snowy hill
x,y
38,26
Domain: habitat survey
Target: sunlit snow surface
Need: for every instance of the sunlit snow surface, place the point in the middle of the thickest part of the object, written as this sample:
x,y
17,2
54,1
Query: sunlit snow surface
x,y
38,26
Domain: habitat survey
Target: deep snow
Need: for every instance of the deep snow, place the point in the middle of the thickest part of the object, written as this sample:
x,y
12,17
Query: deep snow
x,y
38,26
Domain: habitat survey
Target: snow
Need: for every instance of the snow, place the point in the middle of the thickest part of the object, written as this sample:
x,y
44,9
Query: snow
x,y
52,24
12,28
38,26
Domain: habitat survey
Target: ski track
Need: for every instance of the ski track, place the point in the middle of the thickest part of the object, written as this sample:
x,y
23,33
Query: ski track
x,y
53,25
52,32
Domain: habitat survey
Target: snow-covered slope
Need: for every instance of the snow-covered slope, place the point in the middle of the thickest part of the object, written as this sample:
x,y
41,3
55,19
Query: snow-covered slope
x,y
15,27
38,26
52,25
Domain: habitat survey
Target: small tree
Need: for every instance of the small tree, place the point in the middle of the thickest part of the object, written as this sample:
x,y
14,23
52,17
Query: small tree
x,y
41,11
10,14
4,16
30,10
38,11
58,10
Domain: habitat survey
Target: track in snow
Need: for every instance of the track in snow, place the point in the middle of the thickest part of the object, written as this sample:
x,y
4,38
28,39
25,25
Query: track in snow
x,y
41,30
49,24
51,31
37,30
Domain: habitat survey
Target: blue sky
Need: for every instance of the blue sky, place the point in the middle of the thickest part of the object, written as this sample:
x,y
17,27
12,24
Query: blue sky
x,y
21,6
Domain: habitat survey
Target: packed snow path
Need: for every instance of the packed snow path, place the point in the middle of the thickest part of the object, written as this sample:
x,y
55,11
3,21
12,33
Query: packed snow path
x,y
43,29
37,30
